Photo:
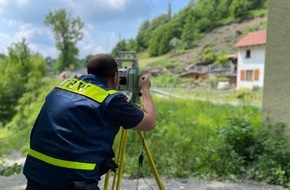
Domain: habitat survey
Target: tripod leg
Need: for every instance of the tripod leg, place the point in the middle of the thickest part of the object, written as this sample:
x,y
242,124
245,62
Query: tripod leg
x,y
121,158
106,183
120,161
153,167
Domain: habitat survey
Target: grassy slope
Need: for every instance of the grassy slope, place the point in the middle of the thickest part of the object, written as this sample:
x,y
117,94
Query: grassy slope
x,y
221,40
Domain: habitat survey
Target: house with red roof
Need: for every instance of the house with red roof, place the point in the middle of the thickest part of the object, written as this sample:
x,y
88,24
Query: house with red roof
x,y
251,60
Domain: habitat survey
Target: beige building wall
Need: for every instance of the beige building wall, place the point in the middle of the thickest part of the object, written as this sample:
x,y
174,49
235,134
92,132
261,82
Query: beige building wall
x,y
276,98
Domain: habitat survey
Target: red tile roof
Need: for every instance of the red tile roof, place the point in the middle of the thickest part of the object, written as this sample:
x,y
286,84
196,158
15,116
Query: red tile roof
x,y
253,39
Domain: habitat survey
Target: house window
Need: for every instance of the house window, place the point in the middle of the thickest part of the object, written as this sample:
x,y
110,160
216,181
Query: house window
x,y
250,75
248,53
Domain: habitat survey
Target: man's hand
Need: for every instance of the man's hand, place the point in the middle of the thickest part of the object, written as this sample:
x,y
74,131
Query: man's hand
x,y
144,83
149,120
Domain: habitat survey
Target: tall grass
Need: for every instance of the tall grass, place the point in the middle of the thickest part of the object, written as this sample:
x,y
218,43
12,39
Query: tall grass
x,y
209,141
184,131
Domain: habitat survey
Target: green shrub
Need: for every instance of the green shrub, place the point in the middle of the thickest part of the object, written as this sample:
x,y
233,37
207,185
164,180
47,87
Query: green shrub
x,y
261,154
10,170
271,163
239,135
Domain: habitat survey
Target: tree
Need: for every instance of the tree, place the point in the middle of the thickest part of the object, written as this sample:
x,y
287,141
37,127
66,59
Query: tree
x,y
257,4
145,32
190,24
189,32
2,56
179,20
121,46
160,41
67,32
159,21
143,35
154,41
239,8
164,42
132,45
20,72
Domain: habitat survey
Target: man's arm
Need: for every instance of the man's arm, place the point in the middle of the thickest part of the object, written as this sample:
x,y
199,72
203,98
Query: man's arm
x,y
149,120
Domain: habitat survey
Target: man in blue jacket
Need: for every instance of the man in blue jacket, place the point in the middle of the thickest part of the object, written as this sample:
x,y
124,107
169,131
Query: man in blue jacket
x,y
71,140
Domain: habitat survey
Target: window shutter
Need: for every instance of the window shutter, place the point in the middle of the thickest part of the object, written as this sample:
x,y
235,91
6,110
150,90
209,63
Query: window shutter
x,y
257,74
242,75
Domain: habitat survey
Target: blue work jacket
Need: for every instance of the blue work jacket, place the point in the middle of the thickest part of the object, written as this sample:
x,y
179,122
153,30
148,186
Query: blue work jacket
x,y
72,136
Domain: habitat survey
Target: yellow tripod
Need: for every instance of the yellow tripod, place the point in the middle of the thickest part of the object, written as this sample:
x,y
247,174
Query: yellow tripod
x,y
120,161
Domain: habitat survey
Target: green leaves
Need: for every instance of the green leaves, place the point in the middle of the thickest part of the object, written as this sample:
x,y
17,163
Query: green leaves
x,y
10,170
263,155
207,140
190,24
19,73
28,108
67,32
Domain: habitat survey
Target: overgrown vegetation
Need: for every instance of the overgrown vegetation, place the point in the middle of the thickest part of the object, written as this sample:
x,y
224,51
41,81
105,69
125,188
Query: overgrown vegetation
x,y
212,141
192,138
19,73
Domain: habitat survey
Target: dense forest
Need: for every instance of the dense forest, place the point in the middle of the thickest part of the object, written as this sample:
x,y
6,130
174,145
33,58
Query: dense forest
x,y
183,30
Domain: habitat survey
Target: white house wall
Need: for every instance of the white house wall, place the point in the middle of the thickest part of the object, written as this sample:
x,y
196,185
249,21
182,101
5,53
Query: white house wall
x,y
256,61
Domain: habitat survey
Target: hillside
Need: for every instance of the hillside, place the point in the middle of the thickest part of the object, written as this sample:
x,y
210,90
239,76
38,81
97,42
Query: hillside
x,y
221,41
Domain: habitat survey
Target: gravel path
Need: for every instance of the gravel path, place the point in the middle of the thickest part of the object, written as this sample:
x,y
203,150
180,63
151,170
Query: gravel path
x,y
18,182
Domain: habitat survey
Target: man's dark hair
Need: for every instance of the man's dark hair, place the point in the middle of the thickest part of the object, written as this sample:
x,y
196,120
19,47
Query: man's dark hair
x,y
102,65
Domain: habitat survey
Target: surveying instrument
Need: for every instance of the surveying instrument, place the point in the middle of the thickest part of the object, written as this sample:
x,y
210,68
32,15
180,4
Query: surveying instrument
x,y
128,74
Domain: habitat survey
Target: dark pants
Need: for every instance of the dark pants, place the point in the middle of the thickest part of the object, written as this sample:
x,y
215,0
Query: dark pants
x,y
76,186
35,186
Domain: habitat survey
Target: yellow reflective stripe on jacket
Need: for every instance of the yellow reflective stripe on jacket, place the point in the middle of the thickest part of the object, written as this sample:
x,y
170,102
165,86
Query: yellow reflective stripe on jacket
x,y
61,163
89,90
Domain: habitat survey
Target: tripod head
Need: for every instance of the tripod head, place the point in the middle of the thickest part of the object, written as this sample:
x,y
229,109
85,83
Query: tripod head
x,y
128,73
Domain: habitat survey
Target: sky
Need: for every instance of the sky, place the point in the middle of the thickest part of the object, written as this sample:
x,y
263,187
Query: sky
x,y
106,22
